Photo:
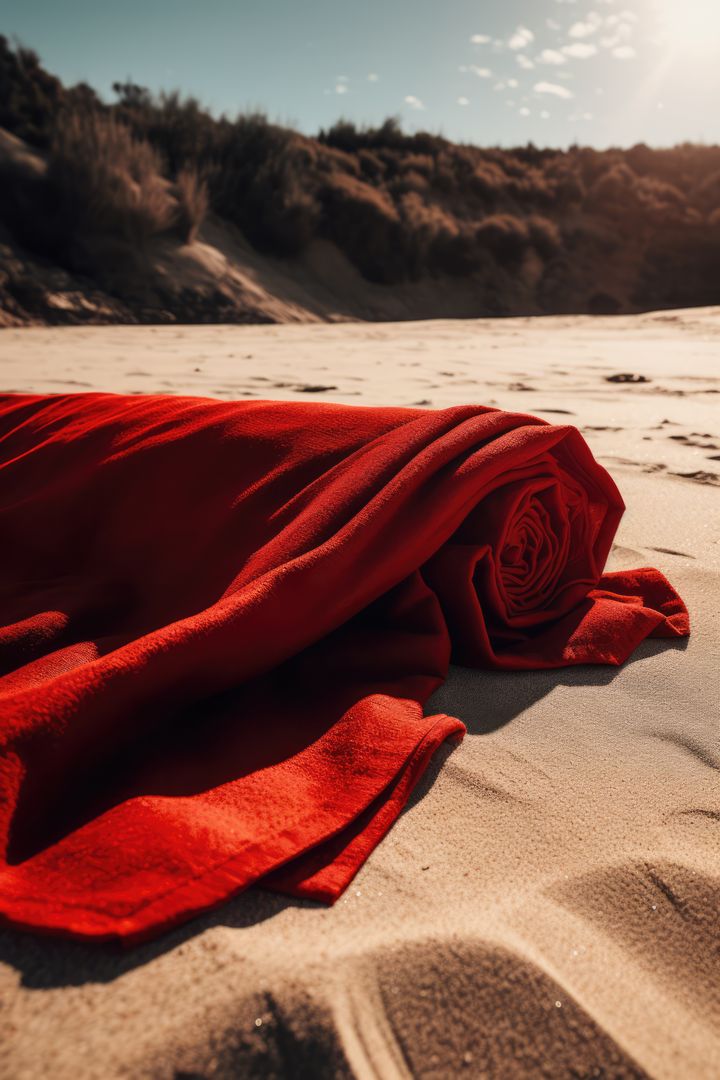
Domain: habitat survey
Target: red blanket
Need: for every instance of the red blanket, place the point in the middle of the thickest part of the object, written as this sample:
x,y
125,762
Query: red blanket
x,y
219,624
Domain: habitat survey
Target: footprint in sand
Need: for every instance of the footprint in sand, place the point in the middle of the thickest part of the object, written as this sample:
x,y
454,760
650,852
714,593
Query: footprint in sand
x,y
671,551
627,377
700,477
313,389
626,552
629,461
692,440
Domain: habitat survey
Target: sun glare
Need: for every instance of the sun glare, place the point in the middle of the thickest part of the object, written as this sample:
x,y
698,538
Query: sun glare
x,y
691,26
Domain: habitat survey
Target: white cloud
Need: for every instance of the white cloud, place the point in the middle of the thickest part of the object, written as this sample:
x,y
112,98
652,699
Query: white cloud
x,y
341,88
463,101
373,77
580,50
414,102
623,32
624,52
588,27
524,61
524,111
625,16
552,88
544,115
521,38
551,56
500,86
552,24
622,26
481,72
513,83
480,39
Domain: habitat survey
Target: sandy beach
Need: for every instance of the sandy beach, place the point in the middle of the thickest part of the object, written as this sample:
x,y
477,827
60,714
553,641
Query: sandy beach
x,y
547,905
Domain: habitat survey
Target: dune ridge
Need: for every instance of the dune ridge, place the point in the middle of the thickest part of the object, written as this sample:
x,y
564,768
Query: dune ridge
x,y
154,210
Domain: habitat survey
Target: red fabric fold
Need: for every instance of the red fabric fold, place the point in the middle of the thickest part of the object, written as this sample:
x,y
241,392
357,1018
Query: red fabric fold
x,y
219,624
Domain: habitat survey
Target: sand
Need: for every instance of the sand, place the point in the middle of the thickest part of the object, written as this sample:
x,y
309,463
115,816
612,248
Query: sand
x,y
548,904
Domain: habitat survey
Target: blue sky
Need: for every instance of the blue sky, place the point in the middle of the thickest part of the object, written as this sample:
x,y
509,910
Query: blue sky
x,y
601,72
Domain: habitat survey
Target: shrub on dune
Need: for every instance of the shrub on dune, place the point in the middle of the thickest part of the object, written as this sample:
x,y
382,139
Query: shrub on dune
x,y
178,127
707,194
371,165
620,188
544,236
29,96
613,188
487,180
505,236
566,186
263,178
429,230
364,222
103,180
191,195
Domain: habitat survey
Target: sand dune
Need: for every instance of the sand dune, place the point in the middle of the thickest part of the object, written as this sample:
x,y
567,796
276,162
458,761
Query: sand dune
x,y
548,903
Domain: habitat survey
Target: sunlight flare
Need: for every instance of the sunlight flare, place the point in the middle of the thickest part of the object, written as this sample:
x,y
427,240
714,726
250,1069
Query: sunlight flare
x,y
690,26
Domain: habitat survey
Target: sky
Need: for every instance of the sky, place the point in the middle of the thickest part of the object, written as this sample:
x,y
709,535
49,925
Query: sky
x,y
489,72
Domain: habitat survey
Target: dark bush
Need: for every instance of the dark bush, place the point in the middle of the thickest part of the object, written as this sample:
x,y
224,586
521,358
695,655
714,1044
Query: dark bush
x,y
505,236
364,223
707,193
103,180
602,303
544,236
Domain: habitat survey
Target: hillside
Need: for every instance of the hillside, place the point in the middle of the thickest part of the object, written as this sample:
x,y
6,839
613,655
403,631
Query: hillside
x,y
152,210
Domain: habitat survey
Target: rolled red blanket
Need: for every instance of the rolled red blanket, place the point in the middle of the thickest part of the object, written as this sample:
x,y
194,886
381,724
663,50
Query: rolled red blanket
x,y
219,623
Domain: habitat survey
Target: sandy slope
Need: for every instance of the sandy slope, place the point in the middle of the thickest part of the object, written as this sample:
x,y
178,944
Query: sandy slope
x,y
548,904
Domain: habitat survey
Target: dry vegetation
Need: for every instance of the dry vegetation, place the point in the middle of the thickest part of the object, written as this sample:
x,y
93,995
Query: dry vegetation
x,y
537,230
